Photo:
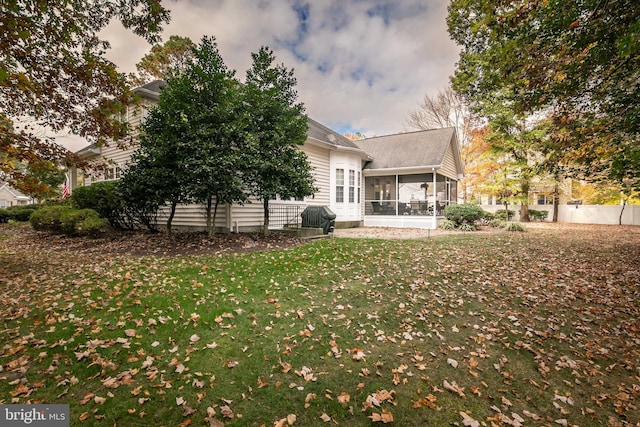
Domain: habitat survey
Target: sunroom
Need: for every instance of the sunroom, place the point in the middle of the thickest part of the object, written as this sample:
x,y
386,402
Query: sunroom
x,y
412,178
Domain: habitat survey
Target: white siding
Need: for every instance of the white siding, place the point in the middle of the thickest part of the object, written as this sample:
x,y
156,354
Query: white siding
x,y
193,217
449,165
319,159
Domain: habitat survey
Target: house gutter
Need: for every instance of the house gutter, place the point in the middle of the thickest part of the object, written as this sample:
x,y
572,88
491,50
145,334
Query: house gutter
x,y
149,93
329,145
405,169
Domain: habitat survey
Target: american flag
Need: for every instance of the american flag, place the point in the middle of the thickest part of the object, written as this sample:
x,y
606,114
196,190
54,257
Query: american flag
x,y
65,189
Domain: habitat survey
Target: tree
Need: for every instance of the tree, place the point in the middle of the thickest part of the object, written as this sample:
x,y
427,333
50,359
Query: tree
x,y
174,56
53,75
277,126
192,144
577,61
161,161
219,161
447,109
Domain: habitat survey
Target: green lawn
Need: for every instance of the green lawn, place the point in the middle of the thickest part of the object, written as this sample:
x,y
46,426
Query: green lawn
x,y
535,328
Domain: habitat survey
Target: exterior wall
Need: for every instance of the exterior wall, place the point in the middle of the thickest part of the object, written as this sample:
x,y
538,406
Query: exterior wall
x,y
448,168
319,158
192,217
584,214
345,211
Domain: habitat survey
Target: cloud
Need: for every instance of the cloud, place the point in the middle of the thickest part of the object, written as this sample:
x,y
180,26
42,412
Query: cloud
x,y
361,65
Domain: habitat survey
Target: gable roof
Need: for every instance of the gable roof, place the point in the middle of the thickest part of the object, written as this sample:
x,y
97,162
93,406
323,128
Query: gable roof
x,y
426,148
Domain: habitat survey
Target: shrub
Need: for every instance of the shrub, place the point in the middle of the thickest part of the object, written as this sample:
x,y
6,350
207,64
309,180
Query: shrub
x,y
104,198
501,214
466,213
514,226
64,219
92,226
468,227
538,215
48,218
498,223
5,216
448,225
22,213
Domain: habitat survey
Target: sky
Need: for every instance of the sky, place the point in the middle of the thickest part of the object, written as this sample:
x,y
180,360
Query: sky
x,y
361,65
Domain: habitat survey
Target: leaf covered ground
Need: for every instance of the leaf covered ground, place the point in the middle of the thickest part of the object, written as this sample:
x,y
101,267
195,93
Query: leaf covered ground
x,y
522,329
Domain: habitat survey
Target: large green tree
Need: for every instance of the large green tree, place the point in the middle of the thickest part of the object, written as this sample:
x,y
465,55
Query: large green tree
x,y
277,127
575,61
192,144
54,76
219,159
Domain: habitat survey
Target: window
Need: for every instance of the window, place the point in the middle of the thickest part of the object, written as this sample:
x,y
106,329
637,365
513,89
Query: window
x,y
113,172
352,186
542,199
340,185
359,186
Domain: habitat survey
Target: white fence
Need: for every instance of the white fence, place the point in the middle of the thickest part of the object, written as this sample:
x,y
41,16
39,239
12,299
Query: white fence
x,y
583,214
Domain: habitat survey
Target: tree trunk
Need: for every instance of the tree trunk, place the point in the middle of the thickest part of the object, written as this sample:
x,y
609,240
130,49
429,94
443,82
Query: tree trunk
x,y
624,204
265,206
212,231
556,201
171,215
524,207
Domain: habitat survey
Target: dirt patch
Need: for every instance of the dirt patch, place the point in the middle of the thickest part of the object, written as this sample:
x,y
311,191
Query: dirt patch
x,y
145,244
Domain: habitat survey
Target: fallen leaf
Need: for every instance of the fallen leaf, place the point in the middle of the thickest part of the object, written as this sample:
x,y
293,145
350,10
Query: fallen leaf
x,y
468,421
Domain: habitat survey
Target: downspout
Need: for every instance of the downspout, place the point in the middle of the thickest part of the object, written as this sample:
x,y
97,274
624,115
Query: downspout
x,y
229,218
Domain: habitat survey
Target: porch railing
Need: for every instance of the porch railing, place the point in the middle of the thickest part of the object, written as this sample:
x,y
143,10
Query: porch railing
x,y
411,207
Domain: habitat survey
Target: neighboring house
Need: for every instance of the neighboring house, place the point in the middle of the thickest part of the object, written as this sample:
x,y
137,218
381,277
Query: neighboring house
x,y
351,176
9,196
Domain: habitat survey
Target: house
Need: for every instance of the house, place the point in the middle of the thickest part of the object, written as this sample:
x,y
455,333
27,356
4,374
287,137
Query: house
x,y
9,196
371,182
411,178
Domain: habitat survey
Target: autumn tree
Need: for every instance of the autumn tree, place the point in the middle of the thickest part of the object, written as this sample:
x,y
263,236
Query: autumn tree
x,y
575,61
53,75
447,109
277,127
173,56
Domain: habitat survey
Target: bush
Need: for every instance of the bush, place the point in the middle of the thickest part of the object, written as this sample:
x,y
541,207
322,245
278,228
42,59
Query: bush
x,y
92,226
464,214
104,198
5,216
514,226
22,213
64,219
538,215
48,218
501,214
498,223
448,225
468,227
17,213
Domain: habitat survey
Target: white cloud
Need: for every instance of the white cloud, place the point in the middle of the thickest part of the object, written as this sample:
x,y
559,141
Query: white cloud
x,y
360,64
